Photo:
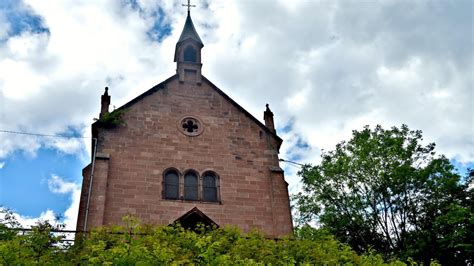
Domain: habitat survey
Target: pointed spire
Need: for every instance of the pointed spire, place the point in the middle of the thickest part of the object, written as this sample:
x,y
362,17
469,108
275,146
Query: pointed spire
x,y
189,32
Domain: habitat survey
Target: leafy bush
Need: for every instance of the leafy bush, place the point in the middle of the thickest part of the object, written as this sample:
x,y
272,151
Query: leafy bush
x,y
144,245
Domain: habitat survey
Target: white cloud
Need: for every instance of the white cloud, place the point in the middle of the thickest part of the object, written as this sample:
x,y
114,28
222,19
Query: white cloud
x,y
53,80
58,185
68,145
337,66
27,221
330,67
2,164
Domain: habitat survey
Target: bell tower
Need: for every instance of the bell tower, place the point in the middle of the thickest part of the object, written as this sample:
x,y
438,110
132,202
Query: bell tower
x,y
188,52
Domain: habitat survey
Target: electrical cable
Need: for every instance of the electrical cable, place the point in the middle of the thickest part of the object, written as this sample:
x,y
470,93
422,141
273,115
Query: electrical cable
x,y
41,135
291,162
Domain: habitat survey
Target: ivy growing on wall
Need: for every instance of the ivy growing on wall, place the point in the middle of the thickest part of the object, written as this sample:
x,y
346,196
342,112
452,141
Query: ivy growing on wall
x,y
114,118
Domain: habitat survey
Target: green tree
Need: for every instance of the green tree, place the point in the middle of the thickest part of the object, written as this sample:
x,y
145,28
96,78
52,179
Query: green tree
x,y
39,245
385,190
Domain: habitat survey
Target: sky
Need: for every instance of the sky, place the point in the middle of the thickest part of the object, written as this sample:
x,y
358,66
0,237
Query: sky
x,y
325,67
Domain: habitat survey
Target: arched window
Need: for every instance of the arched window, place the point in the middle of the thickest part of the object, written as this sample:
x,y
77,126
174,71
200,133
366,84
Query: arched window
x,y
190,186
209,187
190,54
171,185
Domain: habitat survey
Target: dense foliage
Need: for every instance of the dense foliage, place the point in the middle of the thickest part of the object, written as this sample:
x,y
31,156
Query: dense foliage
x,y
386,191
136,244
114,118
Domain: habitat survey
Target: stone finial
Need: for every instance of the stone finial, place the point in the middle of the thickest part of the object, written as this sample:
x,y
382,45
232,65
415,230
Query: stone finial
x,y
268,117
104,103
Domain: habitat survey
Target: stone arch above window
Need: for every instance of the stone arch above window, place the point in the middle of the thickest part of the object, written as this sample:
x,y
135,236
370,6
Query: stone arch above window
x,y
210,187
171,184
190,54
191,185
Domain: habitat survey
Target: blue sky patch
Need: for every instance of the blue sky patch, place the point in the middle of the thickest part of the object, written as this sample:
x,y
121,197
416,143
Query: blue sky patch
x,y
461,168
299,149
73,132
299,145
133,4
24,181
21,18
160,28
287,127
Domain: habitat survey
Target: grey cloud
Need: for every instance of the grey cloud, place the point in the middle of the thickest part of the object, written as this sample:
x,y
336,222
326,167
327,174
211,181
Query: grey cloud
x,y
338,49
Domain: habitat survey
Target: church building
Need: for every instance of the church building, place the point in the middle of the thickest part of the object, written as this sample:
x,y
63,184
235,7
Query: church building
x,y
184,151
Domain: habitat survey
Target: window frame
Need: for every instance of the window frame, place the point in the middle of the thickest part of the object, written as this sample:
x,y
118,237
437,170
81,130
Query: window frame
x,y
198,185
190,51
217,186
164,183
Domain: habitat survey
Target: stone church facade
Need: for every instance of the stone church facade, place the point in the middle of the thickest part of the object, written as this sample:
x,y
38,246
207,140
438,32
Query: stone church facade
x,y
186,152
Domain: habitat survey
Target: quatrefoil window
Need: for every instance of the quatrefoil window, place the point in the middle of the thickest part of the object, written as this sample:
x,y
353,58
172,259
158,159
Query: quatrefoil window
x,y
190,126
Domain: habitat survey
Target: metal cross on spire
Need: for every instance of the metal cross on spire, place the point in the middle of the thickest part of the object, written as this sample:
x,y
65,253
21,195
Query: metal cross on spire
x,y
189,6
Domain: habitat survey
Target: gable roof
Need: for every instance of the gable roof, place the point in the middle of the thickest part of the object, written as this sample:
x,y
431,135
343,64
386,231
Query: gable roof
x,y
162,85
193,217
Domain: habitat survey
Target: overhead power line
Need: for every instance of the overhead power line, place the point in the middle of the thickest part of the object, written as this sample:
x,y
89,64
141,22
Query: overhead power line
x,y
42,135
82,137
287,161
